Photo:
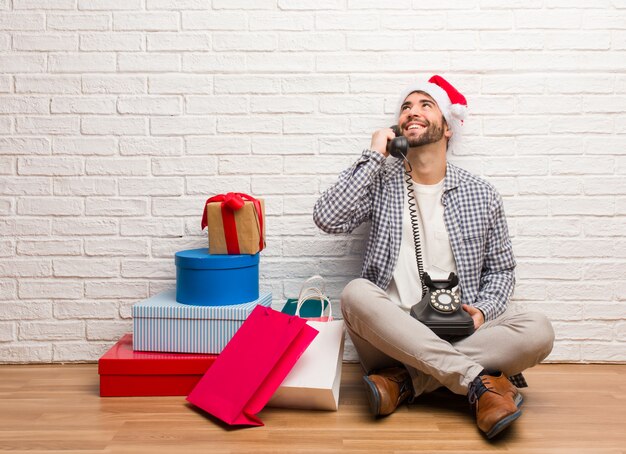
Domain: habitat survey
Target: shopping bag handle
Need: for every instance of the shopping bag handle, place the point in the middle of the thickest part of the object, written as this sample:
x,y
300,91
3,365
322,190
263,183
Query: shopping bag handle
x,y
316,282
314,292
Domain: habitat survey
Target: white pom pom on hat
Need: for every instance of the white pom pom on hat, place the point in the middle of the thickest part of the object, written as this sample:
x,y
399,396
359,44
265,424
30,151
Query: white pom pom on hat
x,y
458,111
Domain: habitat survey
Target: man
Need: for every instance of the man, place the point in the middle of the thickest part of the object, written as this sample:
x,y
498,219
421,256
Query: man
x,y
462,229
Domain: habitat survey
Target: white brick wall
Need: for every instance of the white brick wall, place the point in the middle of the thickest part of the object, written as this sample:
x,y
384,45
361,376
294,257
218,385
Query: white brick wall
x,y
119,117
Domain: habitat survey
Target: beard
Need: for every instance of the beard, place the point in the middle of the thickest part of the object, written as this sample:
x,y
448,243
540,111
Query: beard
x,y
432,133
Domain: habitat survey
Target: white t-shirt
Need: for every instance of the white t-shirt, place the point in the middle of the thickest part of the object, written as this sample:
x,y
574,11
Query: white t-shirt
x,y
405,288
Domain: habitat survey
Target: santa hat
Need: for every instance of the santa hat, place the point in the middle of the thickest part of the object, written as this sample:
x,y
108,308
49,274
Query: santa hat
x,y
452,104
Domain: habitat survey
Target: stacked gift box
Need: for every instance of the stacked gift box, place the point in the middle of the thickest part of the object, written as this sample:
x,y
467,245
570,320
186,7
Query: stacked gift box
x,y
177,334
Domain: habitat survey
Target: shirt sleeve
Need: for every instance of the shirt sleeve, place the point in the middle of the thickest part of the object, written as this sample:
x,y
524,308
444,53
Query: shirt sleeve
x,y
498,274
348,203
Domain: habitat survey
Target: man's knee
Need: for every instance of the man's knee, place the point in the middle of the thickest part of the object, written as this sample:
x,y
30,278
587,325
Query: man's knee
x,y
352,294
541,339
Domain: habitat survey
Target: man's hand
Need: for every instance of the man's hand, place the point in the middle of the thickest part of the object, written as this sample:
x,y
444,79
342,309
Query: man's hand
x,y
380,139
476,315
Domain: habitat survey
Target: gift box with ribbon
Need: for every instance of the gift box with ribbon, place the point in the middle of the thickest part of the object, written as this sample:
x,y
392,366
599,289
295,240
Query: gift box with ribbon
x,y
236,223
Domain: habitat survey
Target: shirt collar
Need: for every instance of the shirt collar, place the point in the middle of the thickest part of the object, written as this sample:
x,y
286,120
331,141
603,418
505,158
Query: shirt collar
x,y
393,167
452,179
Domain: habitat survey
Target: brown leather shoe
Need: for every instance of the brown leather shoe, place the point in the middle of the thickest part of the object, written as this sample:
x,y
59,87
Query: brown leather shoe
x,y
387,389
494,403
503,386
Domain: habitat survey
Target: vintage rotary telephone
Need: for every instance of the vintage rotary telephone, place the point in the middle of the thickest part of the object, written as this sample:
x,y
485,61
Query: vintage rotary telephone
x,y
440,308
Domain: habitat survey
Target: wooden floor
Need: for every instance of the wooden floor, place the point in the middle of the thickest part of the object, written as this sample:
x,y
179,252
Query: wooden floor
x,y
56,408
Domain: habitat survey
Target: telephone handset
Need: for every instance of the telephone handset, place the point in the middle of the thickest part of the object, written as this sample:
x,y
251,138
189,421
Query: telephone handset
x,y
399,146
440,309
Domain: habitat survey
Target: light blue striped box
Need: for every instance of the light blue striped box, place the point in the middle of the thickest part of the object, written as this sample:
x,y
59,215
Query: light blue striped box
x,y
161,324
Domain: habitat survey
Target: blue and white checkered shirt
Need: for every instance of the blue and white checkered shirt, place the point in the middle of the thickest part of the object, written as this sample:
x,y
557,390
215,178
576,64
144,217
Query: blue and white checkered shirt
x,y
372,189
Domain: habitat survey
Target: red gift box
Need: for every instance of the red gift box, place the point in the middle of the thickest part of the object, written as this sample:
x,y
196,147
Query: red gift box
x,y
124,372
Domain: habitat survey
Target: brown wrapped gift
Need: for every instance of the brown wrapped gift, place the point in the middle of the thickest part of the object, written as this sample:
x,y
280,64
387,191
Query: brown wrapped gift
x,y
236,224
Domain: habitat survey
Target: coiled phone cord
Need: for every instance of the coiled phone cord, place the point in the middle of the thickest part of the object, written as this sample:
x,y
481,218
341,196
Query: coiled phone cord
x,y
416,229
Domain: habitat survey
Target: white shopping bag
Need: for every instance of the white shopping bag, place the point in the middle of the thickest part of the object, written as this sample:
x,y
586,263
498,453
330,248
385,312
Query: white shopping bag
x,y
314,381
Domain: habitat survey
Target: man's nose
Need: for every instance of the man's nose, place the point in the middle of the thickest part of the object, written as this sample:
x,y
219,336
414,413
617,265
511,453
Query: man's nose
x,y
414,111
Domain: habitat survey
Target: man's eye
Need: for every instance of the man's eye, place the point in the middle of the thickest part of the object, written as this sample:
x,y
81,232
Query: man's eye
x,y
405,107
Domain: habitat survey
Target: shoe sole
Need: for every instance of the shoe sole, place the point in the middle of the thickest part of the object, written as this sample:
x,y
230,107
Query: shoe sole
x,y
503,424
373,398
519,400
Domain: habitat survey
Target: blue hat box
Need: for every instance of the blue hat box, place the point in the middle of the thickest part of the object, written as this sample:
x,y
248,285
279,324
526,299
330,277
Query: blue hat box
x,y
204,279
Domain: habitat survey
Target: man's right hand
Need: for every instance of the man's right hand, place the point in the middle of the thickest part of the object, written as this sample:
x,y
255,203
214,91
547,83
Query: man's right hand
x,y
380,139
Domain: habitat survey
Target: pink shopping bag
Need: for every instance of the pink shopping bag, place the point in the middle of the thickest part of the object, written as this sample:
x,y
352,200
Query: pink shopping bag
x,y
252,366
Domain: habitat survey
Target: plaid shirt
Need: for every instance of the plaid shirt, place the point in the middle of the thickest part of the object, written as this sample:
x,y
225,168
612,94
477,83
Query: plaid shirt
x,y
373,190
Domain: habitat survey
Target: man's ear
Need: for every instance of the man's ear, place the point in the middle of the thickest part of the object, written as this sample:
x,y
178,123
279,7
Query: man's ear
x,y
447,132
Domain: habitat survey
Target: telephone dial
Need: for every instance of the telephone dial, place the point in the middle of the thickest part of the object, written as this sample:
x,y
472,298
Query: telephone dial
x,y
399,146
440,308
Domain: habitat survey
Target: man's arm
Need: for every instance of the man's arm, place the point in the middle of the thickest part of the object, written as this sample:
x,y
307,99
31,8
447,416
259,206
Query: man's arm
x,y
348,203
498,277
